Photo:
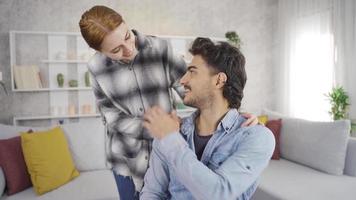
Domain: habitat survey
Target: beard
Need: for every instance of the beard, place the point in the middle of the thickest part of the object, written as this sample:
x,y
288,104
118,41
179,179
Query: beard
x,y
201,100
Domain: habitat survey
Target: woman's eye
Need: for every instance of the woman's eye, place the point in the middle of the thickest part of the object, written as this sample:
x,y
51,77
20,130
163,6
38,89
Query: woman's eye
x,y
117,51
128,37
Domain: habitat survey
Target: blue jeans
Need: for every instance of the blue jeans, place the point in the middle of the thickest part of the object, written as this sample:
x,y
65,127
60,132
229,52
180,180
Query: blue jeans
x,y
126,187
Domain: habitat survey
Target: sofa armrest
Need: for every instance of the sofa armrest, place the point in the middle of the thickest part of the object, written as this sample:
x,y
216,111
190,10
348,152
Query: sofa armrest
x,y
350,161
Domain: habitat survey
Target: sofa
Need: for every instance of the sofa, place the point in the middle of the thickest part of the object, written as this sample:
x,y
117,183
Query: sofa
x,y
86,141
317,161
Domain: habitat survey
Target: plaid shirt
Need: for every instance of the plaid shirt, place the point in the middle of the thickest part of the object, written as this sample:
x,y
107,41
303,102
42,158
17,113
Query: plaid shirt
x,y
123,93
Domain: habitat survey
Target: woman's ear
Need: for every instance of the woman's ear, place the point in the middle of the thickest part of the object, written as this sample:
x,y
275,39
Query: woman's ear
x,y
221,80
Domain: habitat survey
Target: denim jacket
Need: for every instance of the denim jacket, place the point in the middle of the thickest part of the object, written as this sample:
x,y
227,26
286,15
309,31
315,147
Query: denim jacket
x,y
231,163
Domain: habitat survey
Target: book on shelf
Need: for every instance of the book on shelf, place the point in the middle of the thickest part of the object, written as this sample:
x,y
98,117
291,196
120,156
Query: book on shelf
x,y
27,77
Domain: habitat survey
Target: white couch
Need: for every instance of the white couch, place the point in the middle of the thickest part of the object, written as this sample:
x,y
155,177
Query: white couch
x,y
318,161
87,144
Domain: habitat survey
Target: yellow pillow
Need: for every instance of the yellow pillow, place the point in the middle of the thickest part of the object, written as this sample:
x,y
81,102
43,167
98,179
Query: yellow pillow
x,y
48,159
262,119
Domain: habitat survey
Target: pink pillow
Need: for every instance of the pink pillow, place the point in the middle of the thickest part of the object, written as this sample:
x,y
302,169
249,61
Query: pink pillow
x,y
13,165
275,127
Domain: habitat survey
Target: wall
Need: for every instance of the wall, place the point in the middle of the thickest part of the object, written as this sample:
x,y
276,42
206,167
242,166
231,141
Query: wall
x,y
254,20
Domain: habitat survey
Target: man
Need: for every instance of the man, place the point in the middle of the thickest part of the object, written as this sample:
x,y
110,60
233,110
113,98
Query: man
x,y
209,155
130,72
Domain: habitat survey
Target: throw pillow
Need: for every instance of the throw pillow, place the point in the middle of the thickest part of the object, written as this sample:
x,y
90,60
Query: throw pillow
x,y
87,143
13,165
262,119
48,159
319,145
275,127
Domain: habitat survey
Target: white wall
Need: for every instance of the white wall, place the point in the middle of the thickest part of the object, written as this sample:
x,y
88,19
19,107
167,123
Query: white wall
x,y
254,20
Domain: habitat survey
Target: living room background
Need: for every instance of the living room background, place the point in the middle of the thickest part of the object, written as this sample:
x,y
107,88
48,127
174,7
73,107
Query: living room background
x,y
255,22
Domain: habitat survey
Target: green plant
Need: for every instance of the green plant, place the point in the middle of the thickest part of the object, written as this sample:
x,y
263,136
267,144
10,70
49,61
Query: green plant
x,y
233,38
87,79
73,83
60,79
339,101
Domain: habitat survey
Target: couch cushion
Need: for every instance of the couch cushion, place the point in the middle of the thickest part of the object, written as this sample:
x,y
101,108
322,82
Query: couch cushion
x,y
2,182
350,162
93,185
284,179
13,165
87,144
275,126
320,145
48,159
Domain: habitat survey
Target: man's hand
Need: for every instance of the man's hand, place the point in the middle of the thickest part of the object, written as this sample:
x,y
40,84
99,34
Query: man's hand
x,y
159,123
251,119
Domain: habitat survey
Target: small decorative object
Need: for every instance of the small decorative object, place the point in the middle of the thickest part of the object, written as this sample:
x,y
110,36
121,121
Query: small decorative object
x,y
60,79
71,110
60,55
71,55
87,79
233,38
56,110
339,101
73,83
86,109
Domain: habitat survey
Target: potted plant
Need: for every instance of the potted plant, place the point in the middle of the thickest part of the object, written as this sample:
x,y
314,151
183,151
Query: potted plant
x,y
233,38
339,101
60,79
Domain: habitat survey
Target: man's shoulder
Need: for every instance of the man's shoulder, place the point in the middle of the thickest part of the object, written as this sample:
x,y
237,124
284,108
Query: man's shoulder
x,y
260,134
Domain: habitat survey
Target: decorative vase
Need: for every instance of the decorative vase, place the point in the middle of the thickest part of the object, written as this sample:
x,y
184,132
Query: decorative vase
x,y
73,83
60,79
87,79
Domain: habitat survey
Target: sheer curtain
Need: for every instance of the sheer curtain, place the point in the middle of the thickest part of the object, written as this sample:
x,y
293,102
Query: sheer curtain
x,y
306,64
345,47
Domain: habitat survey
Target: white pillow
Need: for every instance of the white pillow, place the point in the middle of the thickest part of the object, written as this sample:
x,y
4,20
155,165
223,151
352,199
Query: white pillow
x,y
2,182
87,143
319,145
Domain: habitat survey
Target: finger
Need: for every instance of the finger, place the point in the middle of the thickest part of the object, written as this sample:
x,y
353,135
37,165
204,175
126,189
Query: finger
x,y
247,122
148,117
246,115
147,126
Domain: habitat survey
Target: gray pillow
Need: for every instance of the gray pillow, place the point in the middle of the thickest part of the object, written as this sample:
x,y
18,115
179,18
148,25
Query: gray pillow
x,y
319,145
86,141
2,182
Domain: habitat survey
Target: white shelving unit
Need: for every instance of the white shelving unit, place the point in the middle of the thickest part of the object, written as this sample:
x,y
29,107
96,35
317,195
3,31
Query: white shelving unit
x,y
67,53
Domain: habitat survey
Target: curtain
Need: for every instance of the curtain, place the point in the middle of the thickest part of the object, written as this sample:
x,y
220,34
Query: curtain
x,y
314,55
345,45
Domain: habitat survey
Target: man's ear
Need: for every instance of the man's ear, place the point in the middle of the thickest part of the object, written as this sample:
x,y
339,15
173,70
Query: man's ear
x,y
221,79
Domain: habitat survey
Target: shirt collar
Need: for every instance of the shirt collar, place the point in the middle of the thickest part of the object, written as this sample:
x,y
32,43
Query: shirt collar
x,y
225,124
141,40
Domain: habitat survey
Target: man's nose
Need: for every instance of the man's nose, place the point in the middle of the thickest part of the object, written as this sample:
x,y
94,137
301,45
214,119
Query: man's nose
x,y
183,80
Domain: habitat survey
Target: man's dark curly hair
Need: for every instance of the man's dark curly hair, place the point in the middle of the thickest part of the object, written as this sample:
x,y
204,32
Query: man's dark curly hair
x,y
223,57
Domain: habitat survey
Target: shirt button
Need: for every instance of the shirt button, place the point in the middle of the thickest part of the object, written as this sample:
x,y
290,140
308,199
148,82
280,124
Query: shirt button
x,y
227,128
141,109
130,68
146,157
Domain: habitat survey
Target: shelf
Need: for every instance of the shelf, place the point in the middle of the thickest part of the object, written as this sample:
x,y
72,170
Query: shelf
x,y
54,117
52,89
65,61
